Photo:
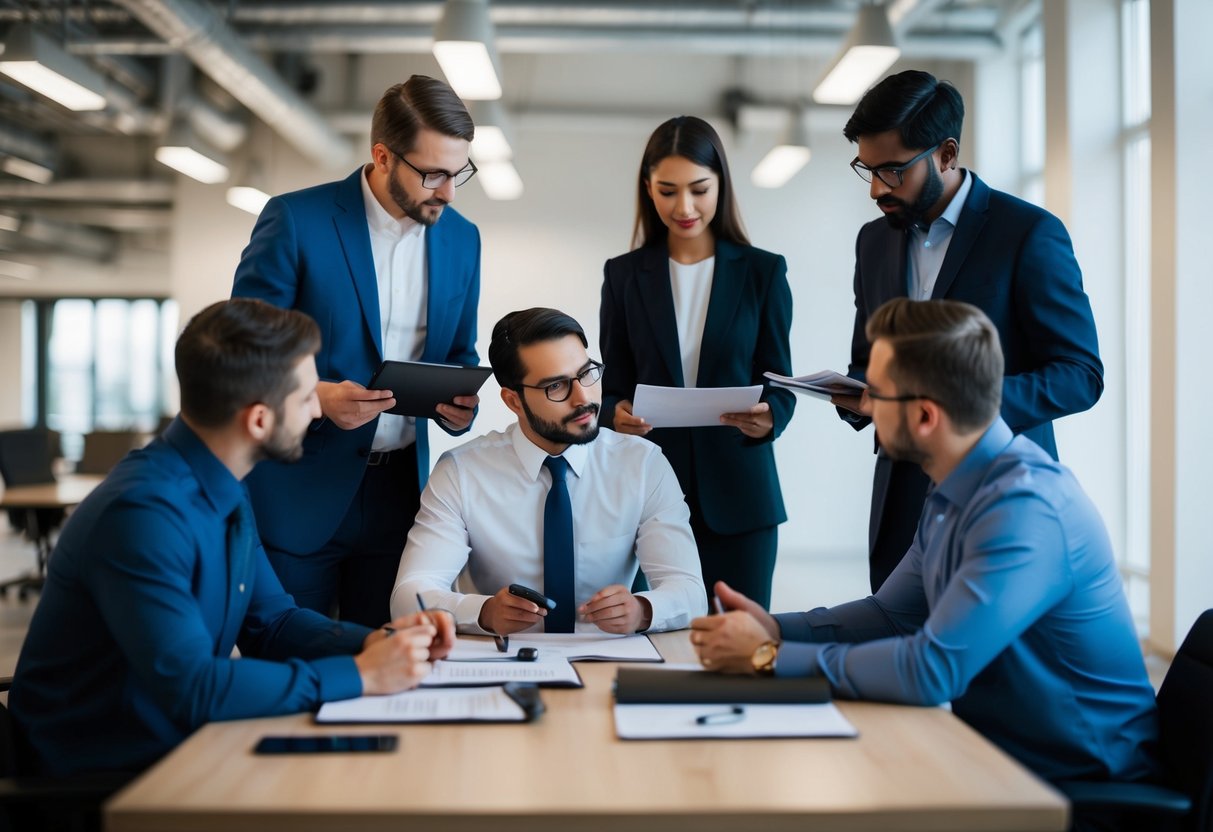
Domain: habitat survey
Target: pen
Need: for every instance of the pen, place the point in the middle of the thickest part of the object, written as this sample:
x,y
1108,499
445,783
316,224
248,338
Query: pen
x,y
717,607
391,630
733,714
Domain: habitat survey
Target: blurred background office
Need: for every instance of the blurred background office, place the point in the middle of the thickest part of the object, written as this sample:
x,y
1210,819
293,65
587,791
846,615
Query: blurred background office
x,y
138,139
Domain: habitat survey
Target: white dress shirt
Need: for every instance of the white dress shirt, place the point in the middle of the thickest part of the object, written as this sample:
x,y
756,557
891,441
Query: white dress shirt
x,y
480,528
928,246
398,251
691,284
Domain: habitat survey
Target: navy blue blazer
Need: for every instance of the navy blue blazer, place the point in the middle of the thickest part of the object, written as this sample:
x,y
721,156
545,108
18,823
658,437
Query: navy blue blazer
x,y
310,250
130,648
733,478
1015,262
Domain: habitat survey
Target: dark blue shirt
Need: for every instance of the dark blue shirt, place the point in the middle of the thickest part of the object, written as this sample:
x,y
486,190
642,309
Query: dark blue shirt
x,y
129,650
1008,605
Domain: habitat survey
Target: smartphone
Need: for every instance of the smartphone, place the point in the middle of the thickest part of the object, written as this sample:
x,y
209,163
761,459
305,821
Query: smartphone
x,y
531,595
326,743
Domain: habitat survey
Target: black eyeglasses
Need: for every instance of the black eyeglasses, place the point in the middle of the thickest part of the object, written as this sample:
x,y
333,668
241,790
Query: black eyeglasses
x,y
432,180
905,397
891,175
560,389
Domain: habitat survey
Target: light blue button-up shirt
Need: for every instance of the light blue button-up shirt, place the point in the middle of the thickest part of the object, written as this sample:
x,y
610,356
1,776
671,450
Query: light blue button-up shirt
x,y
1008,605
928,245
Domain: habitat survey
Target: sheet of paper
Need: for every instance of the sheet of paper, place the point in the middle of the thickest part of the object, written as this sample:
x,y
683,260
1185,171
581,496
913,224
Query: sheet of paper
x,y
570,646
682,407
666,722
446,705
553,671
820,385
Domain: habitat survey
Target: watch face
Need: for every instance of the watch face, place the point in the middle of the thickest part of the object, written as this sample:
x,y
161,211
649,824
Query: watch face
x,y
763,657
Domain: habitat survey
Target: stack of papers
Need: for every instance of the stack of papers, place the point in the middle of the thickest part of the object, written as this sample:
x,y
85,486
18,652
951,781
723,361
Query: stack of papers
x,y
671,722
821,385
460,705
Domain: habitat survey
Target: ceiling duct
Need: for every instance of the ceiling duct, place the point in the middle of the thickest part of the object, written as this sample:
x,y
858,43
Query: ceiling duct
x,y
37,234
104,191
219,52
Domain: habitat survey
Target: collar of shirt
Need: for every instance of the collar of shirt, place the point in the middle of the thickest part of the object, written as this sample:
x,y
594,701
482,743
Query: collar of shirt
x,y
222,489
959,486
532,456
951,214
379,220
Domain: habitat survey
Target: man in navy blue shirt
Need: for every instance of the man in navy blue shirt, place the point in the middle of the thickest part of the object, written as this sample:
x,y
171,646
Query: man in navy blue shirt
x,y
1007,604
160,573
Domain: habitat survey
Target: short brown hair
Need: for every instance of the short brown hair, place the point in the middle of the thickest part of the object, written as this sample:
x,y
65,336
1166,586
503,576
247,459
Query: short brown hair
x,y
419,102
239,352
945,351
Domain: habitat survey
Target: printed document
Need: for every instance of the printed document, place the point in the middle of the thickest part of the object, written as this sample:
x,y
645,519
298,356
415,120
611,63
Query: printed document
x,y
673,722
553,671
693,407
454,705
573,647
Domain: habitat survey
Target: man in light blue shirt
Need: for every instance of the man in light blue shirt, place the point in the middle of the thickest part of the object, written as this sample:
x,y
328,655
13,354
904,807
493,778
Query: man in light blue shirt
x,y
1007,604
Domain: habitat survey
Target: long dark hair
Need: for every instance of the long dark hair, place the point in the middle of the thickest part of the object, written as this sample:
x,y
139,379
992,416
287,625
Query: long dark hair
x,y
694,139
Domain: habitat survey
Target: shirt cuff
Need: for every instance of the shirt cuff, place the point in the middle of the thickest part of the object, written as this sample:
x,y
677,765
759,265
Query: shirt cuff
x,y
794,626
467,614
338,678
666,615
797,658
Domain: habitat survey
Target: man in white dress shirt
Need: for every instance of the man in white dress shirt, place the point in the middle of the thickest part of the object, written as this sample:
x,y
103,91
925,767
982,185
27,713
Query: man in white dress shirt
x,y
482,521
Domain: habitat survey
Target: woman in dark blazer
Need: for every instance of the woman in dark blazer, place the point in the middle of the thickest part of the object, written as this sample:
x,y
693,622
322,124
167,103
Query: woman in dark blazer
x,y
695,305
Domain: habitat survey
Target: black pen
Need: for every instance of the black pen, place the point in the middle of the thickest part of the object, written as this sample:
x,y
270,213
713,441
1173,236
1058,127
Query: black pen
x,y
733,714
391,630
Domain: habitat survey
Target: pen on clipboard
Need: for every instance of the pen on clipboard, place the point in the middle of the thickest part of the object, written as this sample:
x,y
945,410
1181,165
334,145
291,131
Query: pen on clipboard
x,y
733,714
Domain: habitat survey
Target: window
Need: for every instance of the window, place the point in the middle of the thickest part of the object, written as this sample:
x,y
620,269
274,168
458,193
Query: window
x,y
107,366
1135,162
1032,114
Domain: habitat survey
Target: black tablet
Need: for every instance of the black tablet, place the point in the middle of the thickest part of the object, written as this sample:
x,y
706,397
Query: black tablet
x,y
419,388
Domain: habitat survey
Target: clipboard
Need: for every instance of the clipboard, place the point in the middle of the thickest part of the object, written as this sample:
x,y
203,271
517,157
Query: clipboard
x,y
511,703
644,686
420,387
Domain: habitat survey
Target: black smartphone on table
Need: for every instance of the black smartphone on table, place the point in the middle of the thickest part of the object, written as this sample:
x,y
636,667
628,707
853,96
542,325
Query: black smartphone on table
x,y
326,744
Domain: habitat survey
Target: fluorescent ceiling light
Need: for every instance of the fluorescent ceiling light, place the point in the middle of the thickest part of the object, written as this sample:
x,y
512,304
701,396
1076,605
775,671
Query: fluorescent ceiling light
x,y
493,135
500,180
784,160
867,54
20,271
35,61
9,223
466,50
247,198
184,152
26,169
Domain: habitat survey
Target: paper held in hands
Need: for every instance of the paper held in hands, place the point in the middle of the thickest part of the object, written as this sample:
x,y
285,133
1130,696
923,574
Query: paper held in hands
x,y
691,407
820,385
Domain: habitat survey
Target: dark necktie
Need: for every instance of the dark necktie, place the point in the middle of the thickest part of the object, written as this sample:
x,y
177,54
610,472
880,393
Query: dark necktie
x,y
240,530
558,549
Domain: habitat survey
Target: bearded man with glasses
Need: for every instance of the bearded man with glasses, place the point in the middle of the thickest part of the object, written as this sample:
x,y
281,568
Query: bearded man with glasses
x,y
554,503
389,271
946,234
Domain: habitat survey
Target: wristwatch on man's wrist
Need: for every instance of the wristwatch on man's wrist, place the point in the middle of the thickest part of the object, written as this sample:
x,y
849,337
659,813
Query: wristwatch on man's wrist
x,y
764,657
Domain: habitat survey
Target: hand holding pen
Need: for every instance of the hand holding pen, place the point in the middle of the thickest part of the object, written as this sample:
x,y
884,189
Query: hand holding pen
x,y
441,621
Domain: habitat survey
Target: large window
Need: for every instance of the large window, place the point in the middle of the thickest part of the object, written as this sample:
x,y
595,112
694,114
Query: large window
x,y
103,364
1135,161
1032,114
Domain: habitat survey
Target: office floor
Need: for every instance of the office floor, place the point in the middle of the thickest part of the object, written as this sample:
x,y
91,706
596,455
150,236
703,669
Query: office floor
x,y
821,581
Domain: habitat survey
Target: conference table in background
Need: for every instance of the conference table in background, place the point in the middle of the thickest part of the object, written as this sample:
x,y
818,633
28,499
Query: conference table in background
x,y
910,769
68,491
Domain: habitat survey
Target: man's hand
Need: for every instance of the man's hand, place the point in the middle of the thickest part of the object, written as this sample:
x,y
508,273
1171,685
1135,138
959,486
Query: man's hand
x,y
616,610
726,642
505,613
392,662
851,403
458,414
755,423
625,422
349,405
441,620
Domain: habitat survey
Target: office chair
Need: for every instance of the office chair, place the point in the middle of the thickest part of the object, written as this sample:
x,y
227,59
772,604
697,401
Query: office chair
x,y
53,804
26,458
103,449
1185,715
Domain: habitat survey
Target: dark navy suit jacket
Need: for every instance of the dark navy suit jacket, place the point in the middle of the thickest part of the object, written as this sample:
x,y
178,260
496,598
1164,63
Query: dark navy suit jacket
x,y
745,334
310,250
1015,262
130,648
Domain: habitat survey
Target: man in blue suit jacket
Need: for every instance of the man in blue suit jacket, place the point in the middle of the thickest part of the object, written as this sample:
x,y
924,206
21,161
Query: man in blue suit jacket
x,y
388,272
159,573
946,234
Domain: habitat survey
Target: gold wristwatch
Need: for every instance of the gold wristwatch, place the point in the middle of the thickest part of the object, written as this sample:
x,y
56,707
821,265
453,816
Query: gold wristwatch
x,y
764,657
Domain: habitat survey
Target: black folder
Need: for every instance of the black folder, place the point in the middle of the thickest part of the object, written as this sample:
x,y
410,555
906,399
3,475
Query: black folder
x,y
645,686
419,387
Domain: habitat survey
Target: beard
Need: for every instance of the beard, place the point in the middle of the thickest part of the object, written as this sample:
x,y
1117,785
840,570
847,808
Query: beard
x,y
912,214
558,432
281,446
414,210
901,446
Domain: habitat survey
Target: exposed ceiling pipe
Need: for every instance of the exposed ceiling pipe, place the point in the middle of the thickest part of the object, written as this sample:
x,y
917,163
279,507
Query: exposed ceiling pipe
x,y
220,53
108,191
37,234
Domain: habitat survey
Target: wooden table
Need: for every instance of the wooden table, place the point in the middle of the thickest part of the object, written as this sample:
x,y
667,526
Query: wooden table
x,y
66,492
910,769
